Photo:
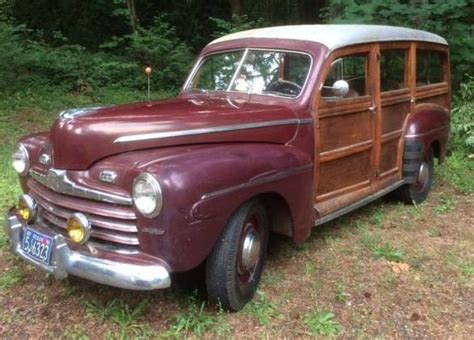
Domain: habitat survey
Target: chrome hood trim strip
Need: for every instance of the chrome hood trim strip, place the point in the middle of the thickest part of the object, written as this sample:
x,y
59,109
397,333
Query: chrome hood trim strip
x,y
216,129
58,181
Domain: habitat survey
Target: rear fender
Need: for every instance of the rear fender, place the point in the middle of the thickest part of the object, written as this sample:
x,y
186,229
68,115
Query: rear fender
x,y
427,127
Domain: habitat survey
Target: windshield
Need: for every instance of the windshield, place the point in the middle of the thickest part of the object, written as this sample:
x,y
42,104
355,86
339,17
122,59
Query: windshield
x,y
253,71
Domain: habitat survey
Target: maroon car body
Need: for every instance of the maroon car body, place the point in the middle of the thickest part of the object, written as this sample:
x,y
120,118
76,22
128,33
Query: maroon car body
x,y
213,151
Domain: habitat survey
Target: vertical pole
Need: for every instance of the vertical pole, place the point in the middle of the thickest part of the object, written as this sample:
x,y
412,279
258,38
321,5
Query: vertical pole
x,y
148,87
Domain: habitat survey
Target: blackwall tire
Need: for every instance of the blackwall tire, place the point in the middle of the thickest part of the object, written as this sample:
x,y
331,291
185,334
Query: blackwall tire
x,y
417,192
234,267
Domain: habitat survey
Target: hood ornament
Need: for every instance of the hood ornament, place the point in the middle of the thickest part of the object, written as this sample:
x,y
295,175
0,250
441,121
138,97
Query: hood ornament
x,y
148,72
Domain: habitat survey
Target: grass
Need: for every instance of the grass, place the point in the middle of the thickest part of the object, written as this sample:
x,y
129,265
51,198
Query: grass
x,y
389,253
11,278
322,323
196,321
446,205
262,309
458,171
341,294
127,319
377,217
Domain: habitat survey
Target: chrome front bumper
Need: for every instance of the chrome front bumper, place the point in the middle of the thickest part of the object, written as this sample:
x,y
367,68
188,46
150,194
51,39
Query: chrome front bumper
x,y
67,261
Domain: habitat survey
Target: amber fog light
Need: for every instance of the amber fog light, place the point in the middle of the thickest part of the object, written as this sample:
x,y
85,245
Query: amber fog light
x,y
78,228
27,207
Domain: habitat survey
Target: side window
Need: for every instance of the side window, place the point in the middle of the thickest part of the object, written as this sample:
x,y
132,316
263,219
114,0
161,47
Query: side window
x,y
347,78
429,67
392,69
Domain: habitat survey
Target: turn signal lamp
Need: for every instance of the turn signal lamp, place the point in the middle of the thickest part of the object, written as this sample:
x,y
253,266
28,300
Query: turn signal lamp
x,y
27,207
78,228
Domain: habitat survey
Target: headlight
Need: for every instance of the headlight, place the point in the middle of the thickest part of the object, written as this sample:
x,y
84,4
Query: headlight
x,y
147,195
21,161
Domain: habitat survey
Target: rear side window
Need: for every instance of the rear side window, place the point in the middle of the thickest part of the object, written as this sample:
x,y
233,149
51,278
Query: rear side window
x,y
429,67
392,69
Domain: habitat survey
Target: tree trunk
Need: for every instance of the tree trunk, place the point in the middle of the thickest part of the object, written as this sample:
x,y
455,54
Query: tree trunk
x,y
133,15
235,6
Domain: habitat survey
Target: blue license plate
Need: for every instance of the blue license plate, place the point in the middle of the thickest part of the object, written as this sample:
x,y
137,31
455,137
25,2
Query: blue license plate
x,y
37,246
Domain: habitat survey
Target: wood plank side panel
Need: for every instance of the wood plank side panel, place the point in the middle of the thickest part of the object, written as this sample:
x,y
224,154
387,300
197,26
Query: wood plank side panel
x,y
344,172
389,155
438,100
394,116
344,130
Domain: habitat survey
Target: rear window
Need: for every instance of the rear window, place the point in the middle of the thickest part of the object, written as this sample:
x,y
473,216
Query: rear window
x,y
429,67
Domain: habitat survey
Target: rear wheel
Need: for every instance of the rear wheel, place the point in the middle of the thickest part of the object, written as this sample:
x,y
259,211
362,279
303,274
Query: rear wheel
x,y
235,265
415,193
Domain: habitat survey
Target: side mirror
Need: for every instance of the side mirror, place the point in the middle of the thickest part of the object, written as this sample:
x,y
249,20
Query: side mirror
x,y
340,88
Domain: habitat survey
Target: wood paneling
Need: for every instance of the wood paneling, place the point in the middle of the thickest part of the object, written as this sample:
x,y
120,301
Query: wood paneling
x,y
343,130
389,155
344,172
359,141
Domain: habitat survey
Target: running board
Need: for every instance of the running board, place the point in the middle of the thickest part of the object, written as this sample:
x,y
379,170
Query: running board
x,y
358,204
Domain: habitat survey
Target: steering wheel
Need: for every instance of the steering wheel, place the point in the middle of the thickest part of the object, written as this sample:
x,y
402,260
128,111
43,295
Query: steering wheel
x,y
284,86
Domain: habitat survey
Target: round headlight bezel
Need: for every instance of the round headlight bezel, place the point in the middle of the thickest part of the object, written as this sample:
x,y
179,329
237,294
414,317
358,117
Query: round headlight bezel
x,y
25,158
78,221
157,193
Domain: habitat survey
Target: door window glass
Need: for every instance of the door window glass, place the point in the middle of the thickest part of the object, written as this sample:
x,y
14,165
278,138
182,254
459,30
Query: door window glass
x,y
429,67
346,79
392,69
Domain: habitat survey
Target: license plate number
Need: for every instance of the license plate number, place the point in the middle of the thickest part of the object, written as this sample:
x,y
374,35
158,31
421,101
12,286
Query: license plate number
x,y
37,246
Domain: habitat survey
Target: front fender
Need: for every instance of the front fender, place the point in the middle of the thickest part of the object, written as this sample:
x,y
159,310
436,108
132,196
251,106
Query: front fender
x,y
203,185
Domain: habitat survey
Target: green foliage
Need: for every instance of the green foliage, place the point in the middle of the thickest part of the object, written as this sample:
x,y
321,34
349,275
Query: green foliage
x,y
341,295
121,314
446,205
322,323
236,24
377,217
27,61
158,47
389,253
458,170
462,130
451,19
262,308
11,278
196,320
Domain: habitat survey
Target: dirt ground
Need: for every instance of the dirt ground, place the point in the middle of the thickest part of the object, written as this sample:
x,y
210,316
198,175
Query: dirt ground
x,y
343,270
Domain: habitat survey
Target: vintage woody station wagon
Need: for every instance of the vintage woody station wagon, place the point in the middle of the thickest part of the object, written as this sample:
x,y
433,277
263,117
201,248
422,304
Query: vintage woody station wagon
x,y
275,130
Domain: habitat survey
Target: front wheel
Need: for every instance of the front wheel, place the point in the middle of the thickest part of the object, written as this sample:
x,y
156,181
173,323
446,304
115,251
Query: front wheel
x,y
417,192
235,265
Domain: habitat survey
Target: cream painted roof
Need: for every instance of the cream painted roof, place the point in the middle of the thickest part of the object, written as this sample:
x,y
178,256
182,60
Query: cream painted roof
x,y
336,36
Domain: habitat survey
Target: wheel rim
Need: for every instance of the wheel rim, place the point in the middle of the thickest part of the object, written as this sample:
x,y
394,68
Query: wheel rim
x,y
423,175
250,252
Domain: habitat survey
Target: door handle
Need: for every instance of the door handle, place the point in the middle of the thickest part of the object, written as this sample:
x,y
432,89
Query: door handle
x,y
373,108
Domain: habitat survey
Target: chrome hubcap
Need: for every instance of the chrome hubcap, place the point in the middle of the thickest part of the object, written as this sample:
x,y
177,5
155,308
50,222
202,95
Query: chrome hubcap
x,y
423,173
250,249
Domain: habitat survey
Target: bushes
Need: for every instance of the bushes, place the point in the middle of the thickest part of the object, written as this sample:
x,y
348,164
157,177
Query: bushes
x,y
27,62
158,47
462,130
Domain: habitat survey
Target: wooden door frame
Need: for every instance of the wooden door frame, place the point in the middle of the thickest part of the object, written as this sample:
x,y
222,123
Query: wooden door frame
x,y
325,108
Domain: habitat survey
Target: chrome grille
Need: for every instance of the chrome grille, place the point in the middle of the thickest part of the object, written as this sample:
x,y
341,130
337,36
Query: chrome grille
x,y
111,223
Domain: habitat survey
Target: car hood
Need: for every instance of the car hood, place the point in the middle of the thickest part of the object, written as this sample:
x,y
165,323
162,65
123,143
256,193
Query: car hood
x,y
81,137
